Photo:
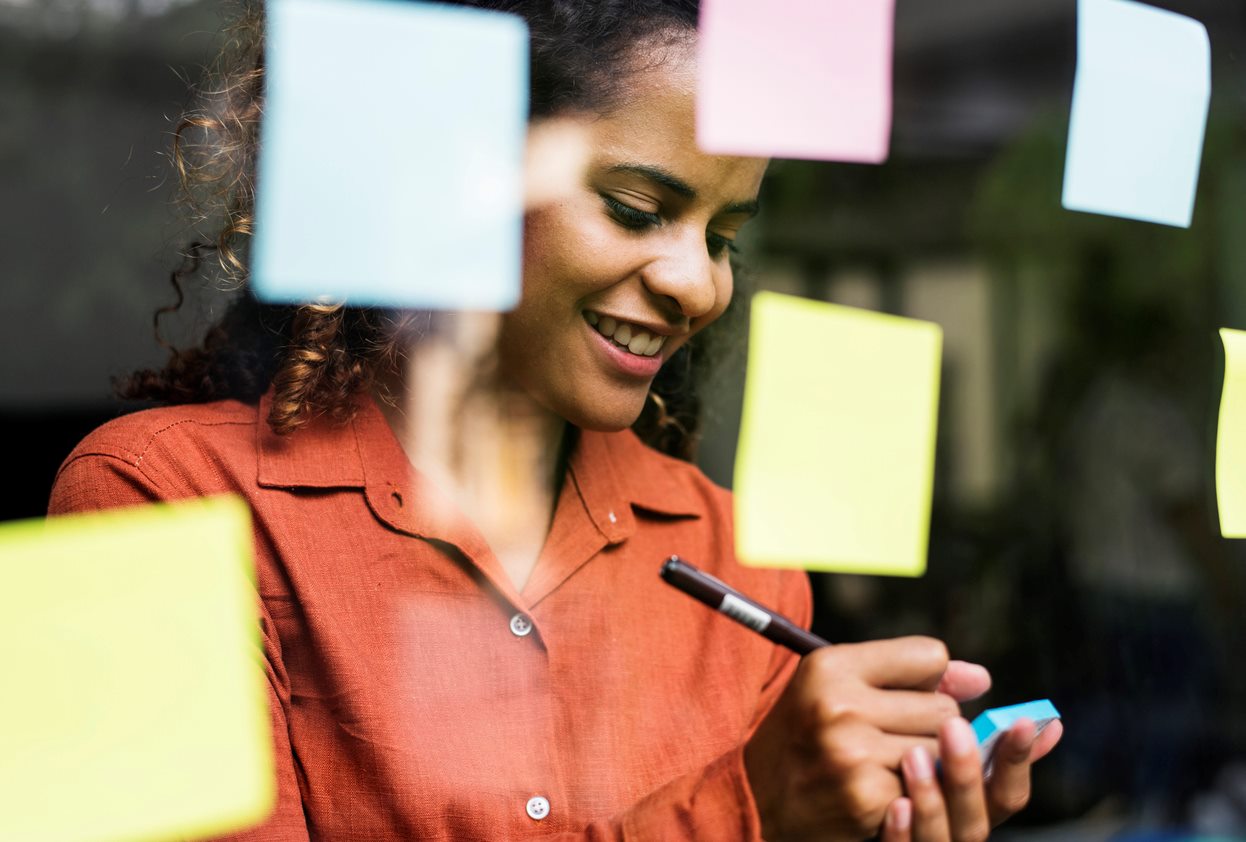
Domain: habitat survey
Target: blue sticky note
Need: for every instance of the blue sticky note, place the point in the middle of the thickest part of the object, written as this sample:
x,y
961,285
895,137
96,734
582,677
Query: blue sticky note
x,y
1139,112
992,724
391,161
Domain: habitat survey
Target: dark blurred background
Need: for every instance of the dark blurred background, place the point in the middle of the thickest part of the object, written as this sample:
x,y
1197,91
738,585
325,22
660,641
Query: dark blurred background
x,y
1074,544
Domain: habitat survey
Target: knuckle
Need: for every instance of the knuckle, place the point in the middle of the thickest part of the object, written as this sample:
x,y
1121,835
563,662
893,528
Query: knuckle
x,y
946,707
926,796
1014,801
862,804
978,831
830,710
932,651
812,680
816,672
962,775
841,752
927,802
822,661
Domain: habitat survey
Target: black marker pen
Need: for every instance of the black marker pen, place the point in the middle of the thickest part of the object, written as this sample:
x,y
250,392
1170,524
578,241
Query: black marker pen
x,y
721,597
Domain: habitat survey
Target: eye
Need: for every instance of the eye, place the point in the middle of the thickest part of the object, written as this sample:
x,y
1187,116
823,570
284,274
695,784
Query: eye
x,y
630,217
718,245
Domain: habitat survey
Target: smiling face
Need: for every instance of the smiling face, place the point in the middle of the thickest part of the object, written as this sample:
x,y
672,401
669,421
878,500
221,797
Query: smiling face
x,y
622,272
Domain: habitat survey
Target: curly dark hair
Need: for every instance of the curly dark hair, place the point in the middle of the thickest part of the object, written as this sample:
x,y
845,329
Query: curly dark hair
x,y
317,357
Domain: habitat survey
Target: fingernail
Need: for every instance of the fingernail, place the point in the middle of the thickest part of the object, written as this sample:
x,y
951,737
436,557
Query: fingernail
x,y
958,737
901,813
917,764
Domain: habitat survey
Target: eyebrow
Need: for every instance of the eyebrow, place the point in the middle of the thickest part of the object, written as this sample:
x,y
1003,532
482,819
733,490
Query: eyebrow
x,y
679,187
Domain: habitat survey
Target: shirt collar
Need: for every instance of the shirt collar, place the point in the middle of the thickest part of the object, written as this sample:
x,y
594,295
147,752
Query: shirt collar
x,y
613,472
322,454
361,453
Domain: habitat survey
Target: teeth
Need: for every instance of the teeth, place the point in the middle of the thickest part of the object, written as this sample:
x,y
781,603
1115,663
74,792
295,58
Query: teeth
x,y
635,339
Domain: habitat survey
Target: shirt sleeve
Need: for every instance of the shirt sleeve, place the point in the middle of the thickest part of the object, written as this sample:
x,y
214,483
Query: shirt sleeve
x,y
714,804
103,480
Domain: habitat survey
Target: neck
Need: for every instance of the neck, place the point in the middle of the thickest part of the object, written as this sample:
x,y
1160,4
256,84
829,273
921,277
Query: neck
x,y
496,453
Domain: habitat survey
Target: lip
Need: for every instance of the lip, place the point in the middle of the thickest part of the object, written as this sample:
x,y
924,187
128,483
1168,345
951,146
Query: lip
x,y
625,361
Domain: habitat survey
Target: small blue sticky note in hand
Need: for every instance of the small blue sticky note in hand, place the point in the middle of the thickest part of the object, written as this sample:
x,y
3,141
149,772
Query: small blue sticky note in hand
x,y
392,150
1139,112
992,724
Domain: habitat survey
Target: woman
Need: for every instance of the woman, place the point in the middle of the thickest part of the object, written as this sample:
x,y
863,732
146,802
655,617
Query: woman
x,y
439,672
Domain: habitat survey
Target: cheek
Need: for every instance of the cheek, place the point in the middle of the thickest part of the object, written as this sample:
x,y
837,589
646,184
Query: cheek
x,y
548,260
551,243
540,245
570,250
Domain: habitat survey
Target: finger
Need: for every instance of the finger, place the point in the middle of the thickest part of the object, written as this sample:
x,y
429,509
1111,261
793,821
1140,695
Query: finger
x,y
912,712
1008,790
1046,740
962,782
858,791
930,823
891,749
964,681
868,798
898,825
904,662
853,743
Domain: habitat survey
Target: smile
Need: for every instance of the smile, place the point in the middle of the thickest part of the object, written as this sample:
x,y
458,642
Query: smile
x,y
633,338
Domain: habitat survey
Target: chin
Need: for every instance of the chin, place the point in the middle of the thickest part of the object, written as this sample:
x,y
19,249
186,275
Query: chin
x,y
603,419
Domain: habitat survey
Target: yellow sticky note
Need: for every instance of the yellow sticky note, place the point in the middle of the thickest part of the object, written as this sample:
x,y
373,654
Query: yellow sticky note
x,y
1231,438
134,703
835,466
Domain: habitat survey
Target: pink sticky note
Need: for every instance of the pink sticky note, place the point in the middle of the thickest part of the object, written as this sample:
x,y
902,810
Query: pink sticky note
x,y
796,78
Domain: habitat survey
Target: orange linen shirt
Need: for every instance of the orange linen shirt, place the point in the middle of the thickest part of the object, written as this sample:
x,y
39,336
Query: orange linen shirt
x,y
415,694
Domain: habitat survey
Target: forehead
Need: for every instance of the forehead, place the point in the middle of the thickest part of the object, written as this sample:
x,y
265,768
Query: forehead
x,y
654,123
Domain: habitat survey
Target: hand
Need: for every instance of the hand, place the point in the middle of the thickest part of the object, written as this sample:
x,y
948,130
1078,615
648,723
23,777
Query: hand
x,y
961,807
825,763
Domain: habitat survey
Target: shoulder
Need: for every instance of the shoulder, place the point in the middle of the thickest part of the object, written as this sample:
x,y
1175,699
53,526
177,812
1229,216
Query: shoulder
x,y
161,453
132,436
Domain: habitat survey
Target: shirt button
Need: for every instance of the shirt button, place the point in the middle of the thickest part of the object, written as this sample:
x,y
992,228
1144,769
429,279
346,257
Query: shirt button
x,y
613,518
538,807
521,626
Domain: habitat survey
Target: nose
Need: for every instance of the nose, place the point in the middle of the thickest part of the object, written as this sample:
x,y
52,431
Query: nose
x,y
683,274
